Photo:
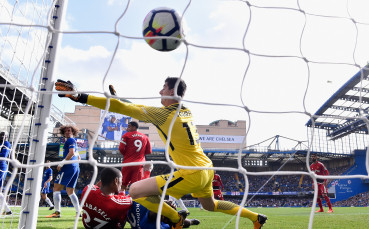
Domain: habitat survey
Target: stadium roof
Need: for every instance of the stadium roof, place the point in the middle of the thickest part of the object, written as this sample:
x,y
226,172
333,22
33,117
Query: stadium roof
x,y
339,115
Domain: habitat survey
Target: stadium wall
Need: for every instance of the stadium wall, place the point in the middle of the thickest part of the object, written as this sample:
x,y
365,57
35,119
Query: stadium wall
x,y
346,188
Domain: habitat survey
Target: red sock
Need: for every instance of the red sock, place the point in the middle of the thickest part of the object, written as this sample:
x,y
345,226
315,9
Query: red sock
x,y
328,202
319,201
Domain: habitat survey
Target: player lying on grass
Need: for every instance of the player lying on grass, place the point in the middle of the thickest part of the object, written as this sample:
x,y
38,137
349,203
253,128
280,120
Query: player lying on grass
x,y
184,149
107,207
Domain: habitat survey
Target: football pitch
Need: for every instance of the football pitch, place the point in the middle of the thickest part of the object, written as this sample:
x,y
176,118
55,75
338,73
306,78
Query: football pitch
x,y
343,217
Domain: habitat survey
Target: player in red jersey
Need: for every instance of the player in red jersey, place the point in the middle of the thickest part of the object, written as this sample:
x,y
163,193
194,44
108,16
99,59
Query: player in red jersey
x,y
217,187
104,207
134,146
147,170
319,169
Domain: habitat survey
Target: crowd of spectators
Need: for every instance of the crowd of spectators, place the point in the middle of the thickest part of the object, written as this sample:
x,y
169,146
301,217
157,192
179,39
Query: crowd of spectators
x,y
360,200
234,182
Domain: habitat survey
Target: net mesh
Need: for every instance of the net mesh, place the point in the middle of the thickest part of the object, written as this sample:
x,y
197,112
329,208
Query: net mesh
x,y
275,51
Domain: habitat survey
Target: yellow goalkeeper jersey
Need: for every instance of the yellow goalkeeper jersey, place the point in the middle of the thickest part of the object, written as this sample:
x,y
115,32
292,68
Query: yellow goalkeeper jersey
x,y
184,146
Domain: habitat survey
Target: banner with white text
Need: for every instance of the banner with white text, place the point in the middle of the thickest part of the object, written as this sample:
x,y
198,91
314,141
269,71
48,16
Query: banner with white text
x,y
221,139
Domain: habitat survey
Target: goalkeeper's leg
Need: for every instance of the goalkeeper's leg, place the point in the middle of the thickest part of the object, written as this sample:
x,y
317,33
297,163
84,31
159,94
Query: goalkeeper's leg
x,y
226,207
230,208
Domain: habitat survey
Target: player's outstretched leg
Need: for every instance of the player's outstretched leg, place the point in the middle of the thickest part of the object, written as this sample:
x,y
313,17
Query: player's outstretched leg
x,y
260,222
152,204
232,209
183,215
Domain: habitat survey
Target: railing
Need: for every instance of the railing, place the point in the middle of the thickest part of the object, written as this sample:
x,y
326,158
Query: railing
x,y
59,116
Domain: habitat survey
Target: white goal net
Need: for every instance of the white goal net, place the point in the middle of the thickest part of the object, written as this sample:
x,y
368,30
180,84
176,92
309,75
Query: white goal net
x,y
27,56
271,63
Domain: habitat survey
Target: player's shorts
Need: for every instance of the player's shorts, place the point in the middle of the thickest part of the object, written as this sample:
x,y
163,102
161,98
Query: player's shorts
x,y
67,176
131,174
45,190
218,195
199,184
322,189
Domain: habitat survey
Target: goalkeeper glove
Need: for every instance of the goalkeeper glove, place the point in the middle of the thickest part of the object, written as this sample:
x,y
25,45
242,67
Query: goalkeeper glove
x,y
62,85
112,90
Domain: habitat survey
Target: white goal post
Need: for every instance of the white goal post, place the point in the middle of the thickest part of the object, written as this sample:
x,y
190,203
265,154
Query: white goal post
x,y
28,44
37,151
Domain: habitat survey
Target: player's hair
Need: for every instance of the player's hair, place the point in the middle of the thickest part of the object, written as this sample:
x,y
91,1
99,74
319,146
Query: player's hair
x,y
133,123
74,129
108,175
171,81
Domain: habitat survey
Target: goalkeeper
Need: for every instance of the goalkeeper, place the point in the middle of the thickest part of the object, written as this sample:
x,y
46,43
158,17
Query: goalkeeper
x,y
184,148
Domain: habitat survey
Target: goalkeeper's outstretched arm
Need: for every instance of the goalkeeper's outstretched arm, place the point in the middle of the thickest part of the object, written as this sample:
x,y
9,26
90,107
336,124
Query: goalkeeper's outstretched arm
x,y
116,106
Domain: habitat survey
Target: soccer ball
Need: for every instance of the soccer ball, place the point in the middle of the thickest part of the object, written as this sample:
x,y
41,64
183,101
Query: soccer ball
x,y
161,22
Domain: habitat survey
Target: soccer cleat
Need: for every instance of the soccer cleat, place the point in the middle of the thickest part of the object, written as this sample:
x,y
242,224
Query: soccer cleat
x,y
182,217
330,211
195,221
320,210
8,213
54,215
189,222
260,221
51,208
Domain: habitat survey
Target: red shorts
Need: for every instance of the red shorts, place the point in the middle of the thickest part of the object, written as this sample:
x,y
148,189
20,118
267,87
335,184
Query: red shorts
x,y
132,174
218,195
322,189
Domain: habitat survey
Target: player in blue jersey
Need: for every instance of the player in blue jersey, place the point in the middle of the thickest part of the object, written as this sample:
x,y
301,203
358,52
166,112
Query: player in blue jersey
x,y
140,217
45,185
68,173
4,153
111,128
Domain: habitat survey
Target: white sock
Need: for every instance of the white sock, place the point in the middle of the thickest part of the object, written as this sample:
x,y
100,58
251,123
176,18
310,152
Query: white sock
x,y
48,201
57,200
171,198
75,201
6,207
181,204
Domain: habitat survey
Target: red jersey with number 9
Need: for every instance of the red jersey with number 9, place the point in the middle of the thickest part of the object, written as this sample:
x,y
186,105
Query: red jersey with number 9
x,y
134,146
102,211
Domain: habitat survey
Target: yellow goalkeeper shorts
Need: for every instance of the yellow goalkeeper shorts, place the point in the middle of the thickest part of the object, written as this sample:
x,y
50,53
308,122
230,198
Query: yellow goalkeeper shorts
x,y
199,184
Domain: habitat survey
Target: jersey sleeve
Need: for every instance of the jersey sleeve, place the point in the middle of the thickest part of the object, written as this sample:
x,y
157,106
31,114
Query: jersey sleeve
x,y
140,112
325,170
5,149
71,143
122,144
49,173
221,183
148,147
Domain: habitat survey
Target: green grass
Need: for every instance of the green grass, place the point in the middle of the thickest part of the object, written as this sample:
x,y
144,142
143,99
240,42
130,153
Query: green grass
x,y
350,217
